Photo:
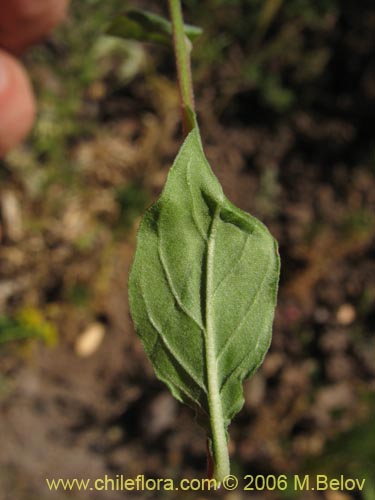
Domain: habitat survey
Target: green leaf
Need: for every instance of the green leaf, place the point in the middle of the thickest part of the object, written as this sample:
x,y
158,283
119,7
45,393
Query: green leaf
x,y
148,27
202,293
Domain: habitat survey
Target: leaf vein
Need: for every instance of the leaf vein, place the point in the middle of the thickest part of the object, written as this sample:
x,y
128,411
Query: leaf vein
x,y
242,321
194,209
169,347
173,290
238,261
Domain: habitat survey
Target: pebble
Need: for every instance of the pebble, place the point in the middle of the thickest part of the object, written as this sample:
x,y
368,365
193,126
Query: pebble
x,y
12,216
89,341
346,314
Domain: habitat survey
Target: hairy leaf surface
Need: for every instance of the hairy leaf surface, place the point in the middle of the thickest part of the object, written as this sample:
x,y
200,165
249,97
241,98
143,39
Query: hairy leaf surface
x,y
203,289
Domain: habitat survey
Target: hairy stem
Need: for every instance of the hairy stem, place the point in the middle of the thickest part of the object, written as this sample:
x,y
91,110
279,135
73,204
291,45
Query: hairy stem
x,y
182,49
219,447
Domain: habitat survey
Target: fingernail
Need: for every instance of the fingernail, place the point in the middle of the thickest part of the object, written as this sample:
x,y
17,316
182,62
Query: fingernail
x,y
3,75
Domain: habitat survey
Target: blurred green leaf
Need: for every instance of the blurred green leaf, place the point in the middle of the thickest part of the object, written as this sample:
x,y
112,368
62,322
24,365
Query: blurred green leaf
x,y
148,27
132,200
27,323
267,14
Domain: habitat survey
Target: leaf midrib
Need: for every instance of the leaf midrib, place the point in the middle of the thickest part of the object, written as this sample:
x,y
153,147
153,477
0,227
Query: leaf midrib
x,y
217,424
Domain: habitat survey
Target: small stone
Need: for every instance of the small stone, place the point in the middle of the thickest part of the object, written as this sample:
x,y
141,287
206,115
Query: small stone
x,y
233,496
12,216
161,414
334,396
255,390
89,341
337,495
321,315
346,314
273,362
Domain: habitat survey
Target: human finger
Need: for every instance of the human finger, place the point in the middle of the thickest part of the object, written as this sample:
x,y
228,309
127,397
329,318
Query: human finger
x,y
17,106
23,22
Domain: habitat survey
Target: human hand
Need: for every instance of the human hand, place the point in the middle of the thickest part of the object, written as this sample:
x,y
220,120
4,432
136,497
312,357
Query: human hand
x,y
22,22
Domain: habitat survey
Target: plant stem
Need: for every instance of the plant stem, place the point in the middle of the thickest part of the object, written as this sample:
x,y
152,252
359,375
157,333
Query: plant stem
x,y
182,49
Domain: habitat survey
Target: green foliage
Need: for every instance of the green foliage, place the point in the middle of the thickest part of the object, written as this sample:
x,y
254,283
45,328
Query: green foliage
x,y
79,294
274,45
146,26
69,66
27,323
357,223
202,293
351,453
132,199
